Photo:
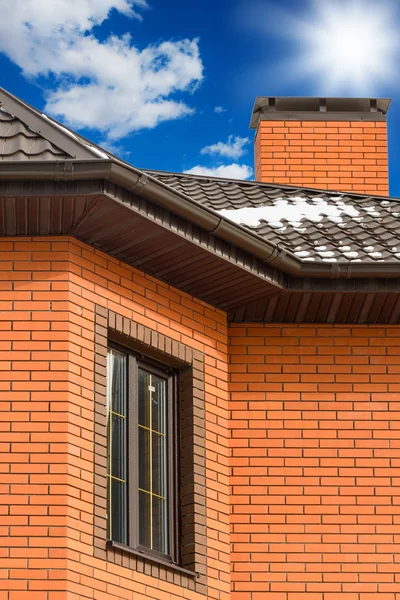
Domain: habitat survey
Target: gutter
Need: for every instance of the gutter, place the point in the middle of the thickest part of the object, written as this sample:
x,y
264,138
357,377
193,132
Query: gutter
x,y
137,181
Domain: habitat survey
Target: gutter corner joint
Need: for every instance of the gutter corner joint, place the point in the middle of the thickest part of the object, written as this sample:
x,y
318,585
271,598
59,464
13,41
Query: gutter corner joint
x,y
140,184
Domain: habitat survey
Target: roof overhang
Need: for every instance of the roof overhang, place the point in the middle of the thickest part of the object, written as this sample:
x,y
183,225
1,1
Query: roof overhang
x,y
138,182
147,224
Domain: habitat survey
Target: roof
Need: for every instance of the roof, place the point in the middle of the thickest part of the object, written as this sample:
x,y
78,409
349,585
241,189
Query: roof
x,y
20,142
314,225
252,249
28,134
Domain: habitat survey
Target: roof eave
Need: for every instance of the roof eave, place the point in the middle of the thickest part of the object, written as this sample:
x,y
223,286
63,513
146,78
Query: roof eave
x,y
135,180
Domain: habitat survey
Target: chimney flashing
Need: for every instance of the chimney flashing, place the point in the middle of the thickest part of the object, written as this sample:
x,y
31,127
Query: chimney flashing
x,y
318,109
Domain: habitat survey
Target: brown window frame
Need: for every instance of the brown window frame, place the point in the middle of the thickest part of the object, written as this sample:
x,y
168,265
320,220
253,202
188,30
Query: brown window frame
x,y
192,573
136,360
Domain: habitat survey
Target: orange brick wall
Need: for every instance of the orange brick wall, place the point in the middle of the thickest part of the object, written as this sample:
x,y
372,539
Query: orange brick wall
x,y
345,156
315,445
48,289
315,424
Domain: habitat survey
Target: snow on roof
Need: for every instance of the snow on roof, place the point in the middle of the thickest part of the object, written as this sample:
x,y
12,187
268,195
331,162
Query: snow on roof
x,y
294,211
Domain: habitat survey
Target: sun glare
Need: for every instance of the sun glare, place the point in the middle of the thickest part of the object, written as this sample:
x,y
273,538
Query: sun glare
x,y
348,45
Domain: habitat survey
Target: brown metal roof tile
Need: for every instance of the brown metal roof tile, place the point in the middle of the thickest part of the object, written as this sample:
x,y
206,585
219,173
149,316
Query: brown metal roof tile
x,y
369,237
19,142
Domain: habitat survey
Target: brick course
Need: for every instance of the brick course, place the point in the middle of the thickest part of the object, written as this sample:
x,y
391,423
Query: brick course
x,y
315,483
334,155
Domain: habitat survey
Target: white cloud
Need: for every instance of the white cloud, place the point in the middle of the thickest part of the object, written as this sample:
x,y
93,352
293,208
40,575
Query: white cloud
x,y
233,148
108,84
233,171
219,109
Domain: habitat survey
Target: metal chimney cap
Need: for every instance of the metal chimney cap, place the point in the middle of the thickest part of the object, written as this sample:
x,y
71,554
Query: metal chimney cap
x,y
303,108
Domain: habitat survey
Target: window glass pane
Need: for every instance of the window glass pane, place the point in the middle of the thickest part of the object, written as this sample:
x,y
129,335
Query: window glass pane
x,y
158,411
145,461
158,461
160,525
145,519
117,515
116,397
144,398
116,446
153,461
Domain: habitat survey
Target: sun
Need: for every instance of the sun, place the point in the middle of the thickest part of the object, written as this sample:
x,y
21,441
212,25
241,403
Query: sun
x,y
347,46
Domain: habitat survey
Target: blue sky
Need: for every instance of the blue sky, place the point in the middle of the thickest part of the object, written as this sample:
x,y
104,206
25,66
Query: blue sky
x,y
145,78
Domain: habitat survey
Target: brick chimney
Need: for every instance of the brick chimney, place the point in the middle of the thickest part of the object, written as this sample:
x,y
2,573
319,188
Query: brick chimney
x,y
329,143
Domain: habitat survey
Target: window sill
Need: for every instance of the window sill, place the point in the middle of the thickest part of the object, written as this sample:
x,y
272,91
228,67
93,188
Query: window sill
x,y
154,559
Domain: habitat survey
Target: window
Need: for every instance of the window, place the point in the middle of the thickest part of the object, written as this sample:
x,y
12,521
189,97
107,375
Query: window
x,y
141,465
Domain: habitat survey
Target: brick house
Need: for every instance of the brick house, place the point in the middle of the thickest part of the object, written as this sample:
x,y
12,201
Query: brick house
x,y
199,377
